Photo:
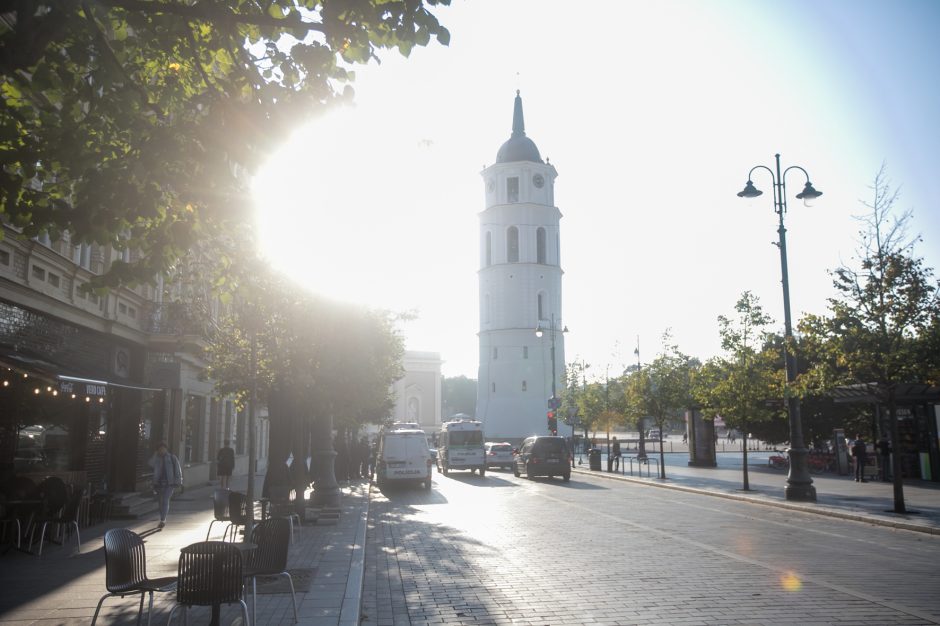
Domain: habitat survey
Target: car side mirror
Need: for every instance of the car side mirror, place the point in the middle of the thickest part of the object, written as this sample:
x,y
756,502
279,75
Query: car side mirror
x,y
515,450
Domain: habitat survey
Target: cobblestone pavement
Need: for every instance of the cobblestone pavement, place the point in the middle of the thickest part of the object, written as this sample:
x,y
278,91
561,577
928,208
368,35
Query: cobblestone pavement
x,y
62,587
505,550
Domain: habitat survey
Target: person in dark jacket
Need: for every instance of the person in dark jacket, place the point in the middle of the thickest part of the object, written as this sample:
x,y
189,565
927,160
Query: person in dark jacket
x,y
225,461
615,454
860,454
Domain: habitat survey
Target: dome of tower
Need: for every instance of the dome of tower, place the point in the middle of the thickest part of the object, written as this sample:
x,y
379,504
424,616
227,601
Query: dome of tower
x,y
518,147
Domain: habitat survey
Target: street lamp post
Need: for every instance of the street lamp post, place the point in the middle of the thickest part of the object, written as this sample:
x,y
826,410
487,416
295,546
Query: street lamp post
x,y
539,331
799,483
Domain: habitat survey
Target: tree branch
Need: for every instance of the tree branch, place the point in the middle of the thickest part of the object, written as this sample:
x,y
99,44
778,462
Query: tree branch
x,y
109,53
214,13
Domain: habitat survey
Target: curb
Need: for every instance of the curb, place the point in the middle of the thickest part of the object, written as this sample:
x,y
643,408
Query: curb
x,y
801,508
351,611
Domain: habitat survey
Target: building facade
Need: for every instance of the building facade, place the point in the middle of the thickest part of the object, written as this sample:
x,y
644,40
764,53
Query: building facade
x,y
519,289
418,392
91,382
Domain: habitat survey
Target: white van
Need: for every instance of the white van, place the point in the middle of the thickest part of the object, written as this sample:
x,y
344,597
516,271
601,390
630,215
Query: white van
x,y
403,456
461,446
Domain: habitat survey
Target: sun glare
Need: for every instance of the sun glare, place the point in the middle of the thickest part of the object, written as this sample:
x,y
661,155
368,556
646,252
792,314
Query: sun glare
x,y
336,208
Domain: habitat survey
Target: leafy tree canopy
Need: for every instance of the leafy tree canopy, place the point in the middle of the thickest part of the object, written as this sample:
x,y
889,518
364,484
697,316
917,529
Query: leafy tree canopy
x,y
133,123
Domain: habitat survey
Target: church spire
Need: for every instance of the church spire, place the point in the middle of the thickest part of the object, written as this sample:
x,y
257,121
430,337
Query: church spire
x,y
518,123
518,147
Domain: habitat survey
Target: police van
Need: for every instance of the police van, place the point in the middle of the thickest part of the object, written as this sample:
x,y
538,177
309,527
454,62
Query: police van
x,y
402,457
460,446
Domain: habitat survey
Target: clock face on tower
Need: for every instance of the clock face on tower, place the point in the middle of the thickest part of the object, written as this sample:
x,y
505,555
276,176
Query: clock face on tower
x,y
538,180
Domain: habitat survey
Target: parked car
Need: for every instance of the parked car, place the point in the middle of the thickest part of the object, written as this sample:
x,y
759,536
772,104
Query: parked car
x,y
498,454
543,456
654,434
403,456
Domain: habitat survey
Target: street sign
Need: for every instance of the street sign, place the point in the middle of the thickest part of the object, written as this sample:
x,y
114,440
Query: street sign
x,y
554,403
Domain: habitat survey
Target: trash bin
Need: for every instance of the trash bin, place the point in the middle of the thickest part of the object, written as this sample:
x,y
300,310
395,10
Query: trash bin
x,y
594,459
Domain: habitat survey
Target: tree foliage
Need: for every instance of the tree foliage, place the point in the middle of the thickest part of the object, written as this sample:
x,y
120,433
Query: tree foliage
x,y
135,123
663,389
742,385
881,330
459,395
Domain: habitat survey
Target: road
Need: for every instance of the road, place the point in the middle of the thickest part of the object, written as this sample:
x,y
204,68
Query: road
x,y
506,550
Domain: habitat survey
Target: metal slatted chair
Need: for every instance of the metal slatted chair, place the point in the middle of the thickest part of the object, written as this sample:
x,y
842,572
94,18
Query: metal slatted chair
x,y
220,504
125,563
282,506
272,536
210,574
237,513
67,518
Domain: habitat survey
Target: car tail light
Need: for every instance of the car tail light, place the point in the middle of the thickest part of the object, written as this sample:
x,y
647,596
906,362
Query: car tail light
x,y
430,462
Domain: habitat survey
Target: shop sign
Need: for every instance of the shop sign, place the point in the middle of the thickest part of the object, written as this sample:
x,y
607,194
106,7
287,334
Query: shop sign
x,y
87,389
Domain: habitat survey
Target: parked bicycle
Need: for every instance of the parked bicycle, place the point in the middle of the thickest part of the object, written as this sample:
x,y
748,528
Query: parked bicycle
x,y
819,463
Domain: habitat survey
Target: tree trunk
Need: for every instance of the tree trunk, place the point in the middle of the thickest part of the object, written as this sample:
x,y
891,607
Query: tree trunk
x,y
896,453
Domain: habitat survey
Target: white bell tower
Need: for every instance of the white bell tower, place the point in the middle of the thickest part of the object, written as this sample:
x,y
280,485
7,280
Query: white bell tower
x,y
520,290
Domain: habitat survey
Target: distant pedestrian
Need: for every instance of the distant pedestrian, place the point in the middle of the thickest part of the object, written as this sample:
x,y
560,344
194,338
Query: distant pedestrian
x,y
615,453
363,453
225,461
685,437
860,454
884,452
167,476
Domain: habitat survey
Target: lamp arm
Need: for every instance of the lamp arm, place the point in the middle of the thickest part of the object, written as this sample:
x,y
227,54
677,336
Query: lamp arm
x,y
773,179
796,167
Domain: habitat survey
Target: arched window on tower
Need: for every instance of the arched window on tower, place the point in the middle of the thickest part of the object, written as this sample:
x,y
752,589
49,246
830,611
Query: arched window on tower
x,y
489,248
512,245
540,245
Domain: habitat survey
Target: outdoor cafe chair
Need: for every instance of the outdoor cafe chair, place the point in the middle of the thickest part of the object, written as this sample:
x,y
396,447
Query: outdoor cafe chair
x,y
220,504
210,574
281,506
237,513
272,536
66,518
125,561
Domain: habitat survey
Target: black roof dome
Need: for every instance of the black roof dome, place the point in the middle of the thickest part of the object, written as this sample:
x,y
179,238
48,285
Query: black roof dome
x,y
518,147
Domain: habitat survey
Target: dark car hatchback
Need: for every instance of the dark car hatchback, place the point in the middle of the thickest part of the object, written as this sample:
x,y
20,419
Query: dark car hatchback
x,y
543,456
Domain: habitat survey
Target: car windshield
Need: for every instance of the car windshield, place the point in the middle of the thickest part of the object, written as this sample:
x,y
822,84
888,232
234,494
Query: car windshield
x,y
466,437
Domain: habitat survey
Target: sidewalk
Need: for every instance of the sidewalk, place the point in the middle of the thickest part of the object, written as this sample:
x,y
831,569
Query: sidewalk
x,y
62,587
837,496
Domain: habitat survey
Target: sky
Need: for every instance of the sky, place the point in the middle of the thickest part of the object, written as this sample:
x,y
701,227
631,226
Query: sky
x,y
653,113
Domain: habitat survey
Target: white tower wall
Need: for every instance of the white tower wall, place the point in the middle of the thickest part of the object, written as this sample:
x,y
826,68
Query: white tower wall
x,y
520,290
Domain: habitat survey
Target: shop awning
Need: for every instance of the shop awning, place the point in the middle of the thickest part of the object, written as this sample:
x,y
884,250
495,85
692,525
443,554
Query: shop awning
x,y
53,373
908,393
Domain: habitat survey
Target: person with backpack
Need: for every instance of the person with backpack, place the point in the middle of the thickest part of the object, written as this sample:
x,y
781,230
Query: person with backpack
x,y
860,454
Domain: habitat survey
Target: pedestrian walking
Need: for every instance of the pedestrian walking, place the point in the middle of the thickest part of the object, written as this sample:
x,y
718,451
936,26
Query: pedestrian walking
x,y
884,452
225,464
860,454
615,454
167,476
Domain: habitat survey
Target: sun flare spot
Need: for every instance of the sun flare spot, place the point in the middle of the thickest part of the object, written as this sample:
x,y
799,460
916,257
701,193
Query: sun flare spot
x,y
791,582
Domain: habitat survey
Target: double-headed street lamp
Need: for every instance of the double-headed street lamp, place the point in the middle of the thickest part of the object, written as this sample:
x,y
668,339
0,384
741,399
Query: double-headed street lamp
x,y
553,401
799,483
